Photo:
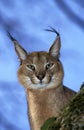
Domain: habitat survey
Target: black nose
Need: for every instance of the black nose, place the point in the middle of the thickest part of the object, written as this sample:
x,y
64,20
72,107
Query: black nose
x,y
40,76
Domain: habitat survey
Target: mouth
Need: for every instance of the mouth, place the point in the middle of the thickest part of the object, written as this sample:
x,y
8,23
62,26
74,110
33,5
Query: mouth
x,y
41,82
36,83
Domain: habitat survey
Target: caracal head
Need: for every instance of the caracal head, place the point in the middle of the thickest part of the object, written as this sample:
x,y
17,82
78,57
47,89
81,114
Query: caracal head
x,y
40,70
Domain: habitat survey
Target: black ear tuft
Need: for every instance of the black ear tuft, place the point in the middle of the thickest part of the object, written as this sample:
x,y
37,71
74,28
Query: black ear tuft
x,y
55,48
52,30
10,36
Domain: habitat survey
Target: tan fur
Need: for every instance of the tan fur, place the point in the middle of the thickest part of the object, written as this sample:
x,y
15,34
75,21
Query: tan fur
x,y
41,73
47,103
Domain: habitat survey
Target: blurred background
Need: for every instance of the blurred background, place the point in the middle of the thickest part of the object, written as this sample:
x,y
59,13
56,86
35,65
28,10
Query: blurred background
x,y
26,21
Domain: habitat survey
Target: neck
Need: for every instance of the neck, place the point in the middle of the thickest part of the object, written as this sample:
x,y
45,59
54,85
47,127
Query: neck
x,y
42,105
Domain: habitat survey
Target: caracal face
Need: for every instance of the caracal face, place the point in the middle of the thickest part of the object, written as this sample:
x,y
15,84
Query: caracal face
x,y
40,70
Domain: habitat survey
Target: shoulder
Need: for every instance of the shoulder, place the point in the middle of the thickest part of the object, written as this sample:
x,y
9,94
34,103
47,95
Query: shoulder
x,y
69,92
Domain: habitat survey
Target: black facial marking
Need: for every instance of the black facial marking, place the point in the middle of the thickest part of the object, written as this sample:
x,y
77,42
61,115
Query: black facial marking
x,y
38,55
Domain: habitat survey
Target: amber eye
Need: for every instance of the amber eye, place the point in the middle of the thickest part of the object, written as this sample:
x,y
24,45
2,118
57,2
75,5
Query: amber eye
x,y
32,67
49,65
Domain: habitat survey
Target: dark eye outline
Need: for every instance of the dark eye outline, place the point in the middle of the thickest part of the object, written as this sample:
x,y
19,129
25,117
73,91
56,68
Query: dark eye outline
x,y
49,65
31,66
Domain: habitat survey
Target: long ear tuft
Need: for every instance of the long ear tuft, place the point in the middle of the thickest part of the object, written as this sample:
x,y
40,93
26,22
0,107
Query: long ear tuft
x,y
52,30
10,36
22,54
55,48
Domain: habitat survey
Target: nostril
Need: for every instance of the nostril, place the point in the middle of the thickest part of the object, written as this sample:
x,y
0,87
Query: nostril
x,y
40,76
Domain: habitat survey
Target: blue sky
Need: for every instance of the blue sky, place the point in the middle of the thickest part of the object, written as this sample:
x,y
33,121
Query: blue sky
x,y
26,21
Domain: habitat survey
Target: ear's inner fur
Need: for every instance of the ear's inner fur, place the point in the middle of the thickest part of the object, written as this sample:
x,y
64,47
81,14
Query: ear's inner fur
x,y
21,52
55,48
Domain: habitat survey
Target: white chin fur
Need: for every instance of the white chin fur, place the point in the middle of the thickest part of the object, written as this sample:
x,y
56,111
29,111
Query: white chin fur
x,y
39,85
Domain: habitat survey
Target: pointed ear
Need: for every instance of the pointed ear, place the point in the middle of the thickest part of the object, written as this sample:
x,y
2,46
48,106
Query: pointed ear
x,y
55,48
22,54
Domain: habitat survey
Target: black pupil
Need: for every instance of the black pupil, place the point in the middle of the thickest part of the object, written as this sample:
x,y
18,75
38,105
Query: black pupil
x,y
32,67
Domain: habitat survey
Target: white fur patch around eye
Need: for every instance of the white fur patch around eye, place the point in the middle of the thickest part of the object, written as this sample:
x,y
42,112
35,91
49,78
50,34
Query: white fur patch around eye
x,y
52,66
28,69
